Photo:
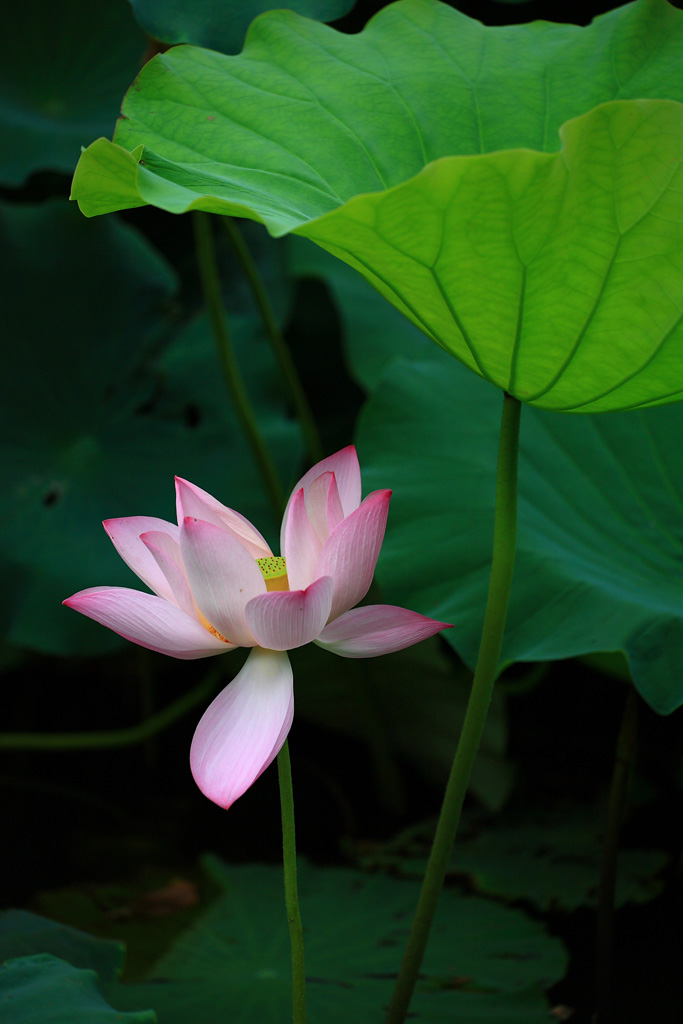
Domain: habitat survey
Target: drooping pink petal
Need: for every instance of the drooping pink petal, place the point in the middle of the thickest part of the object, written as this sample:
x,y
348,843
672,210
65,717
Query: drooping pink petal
x,y
223,577
344,465
166,553
286,619
350,553
377,629
193,501
323,505
148,621
242,731
125,536
302,546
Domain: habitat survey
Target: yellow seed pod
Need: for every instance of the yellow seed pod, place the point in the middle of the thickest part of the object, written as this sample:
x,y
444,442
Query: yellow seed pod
x,y
274,569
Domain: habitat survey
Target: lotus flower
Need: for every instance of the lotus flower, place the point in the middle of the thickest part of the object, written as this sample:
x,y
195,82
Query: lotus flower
x,y
218,586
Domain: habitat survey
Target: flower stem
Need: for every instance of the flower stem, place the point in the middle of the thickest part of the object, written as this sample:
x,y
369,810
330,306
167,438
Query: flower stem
x,y
500,581
208,272
616,811
282,353
296,934
111,737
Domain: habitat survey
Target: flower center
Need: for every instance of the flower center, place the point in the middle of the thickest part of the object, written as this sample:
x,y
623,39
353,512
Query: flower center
x,y
274,569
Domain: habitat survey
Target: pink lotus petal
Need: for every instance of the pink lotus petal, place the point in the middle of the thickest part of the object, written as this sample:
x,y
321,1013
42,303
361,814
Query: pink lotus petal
x,y
286,619
125,536
344,465
302,546
242,731
377,629
148,621
350,553
323,505
223,577
166,553
193,501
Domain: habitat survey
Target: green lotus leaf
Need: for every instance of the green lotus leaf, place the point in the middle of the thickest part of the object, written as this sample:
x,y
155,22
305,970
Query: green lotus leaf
x,y
548,857
600,530
46,989
220,24
23,933
557,276
306,118
233,963
64,68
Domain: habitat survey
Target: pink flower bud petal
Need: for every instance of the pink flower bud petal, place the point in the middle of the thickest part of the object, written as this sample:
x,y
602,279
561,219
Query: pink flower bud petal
x,y
286,619
377,629
242,731
148,621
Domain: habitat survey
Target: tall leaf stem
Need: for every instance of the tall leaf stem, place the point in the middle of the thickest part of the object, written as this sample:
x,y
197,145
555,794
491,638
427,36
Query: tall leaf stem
x,y
617,805
111,737
296,934
282,354
500,582
211,287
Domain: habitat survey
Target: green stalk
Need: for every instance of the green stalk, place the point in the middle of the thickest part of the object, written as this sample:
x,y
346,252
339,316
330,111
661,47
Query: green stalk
x,y
111,737
282,353
208,272
500,582
296,934
624,759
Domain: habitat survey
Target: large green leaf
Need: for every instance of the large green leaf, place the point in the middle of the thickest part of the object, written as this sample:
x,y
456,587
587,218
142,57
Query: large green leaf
x,y
306,118
96,423
556,277
559,278
64,68
220,24
600,541
234,962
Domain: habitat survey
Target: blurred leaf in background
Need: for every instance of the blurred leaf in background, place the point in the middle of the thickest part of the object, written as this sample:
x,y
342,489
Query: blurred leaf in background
x,y
64,70
220,24
106,398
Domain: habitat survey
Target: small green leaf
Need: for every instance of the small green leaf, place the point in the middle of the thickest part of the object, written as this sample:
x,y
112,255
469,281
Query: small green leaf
x,y
25,934
46,989
220,24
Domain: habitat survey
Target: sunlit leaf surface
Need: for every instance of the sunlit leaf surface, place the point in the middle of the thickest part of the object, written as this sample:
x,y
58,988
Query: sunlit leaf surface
x,y
424,152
